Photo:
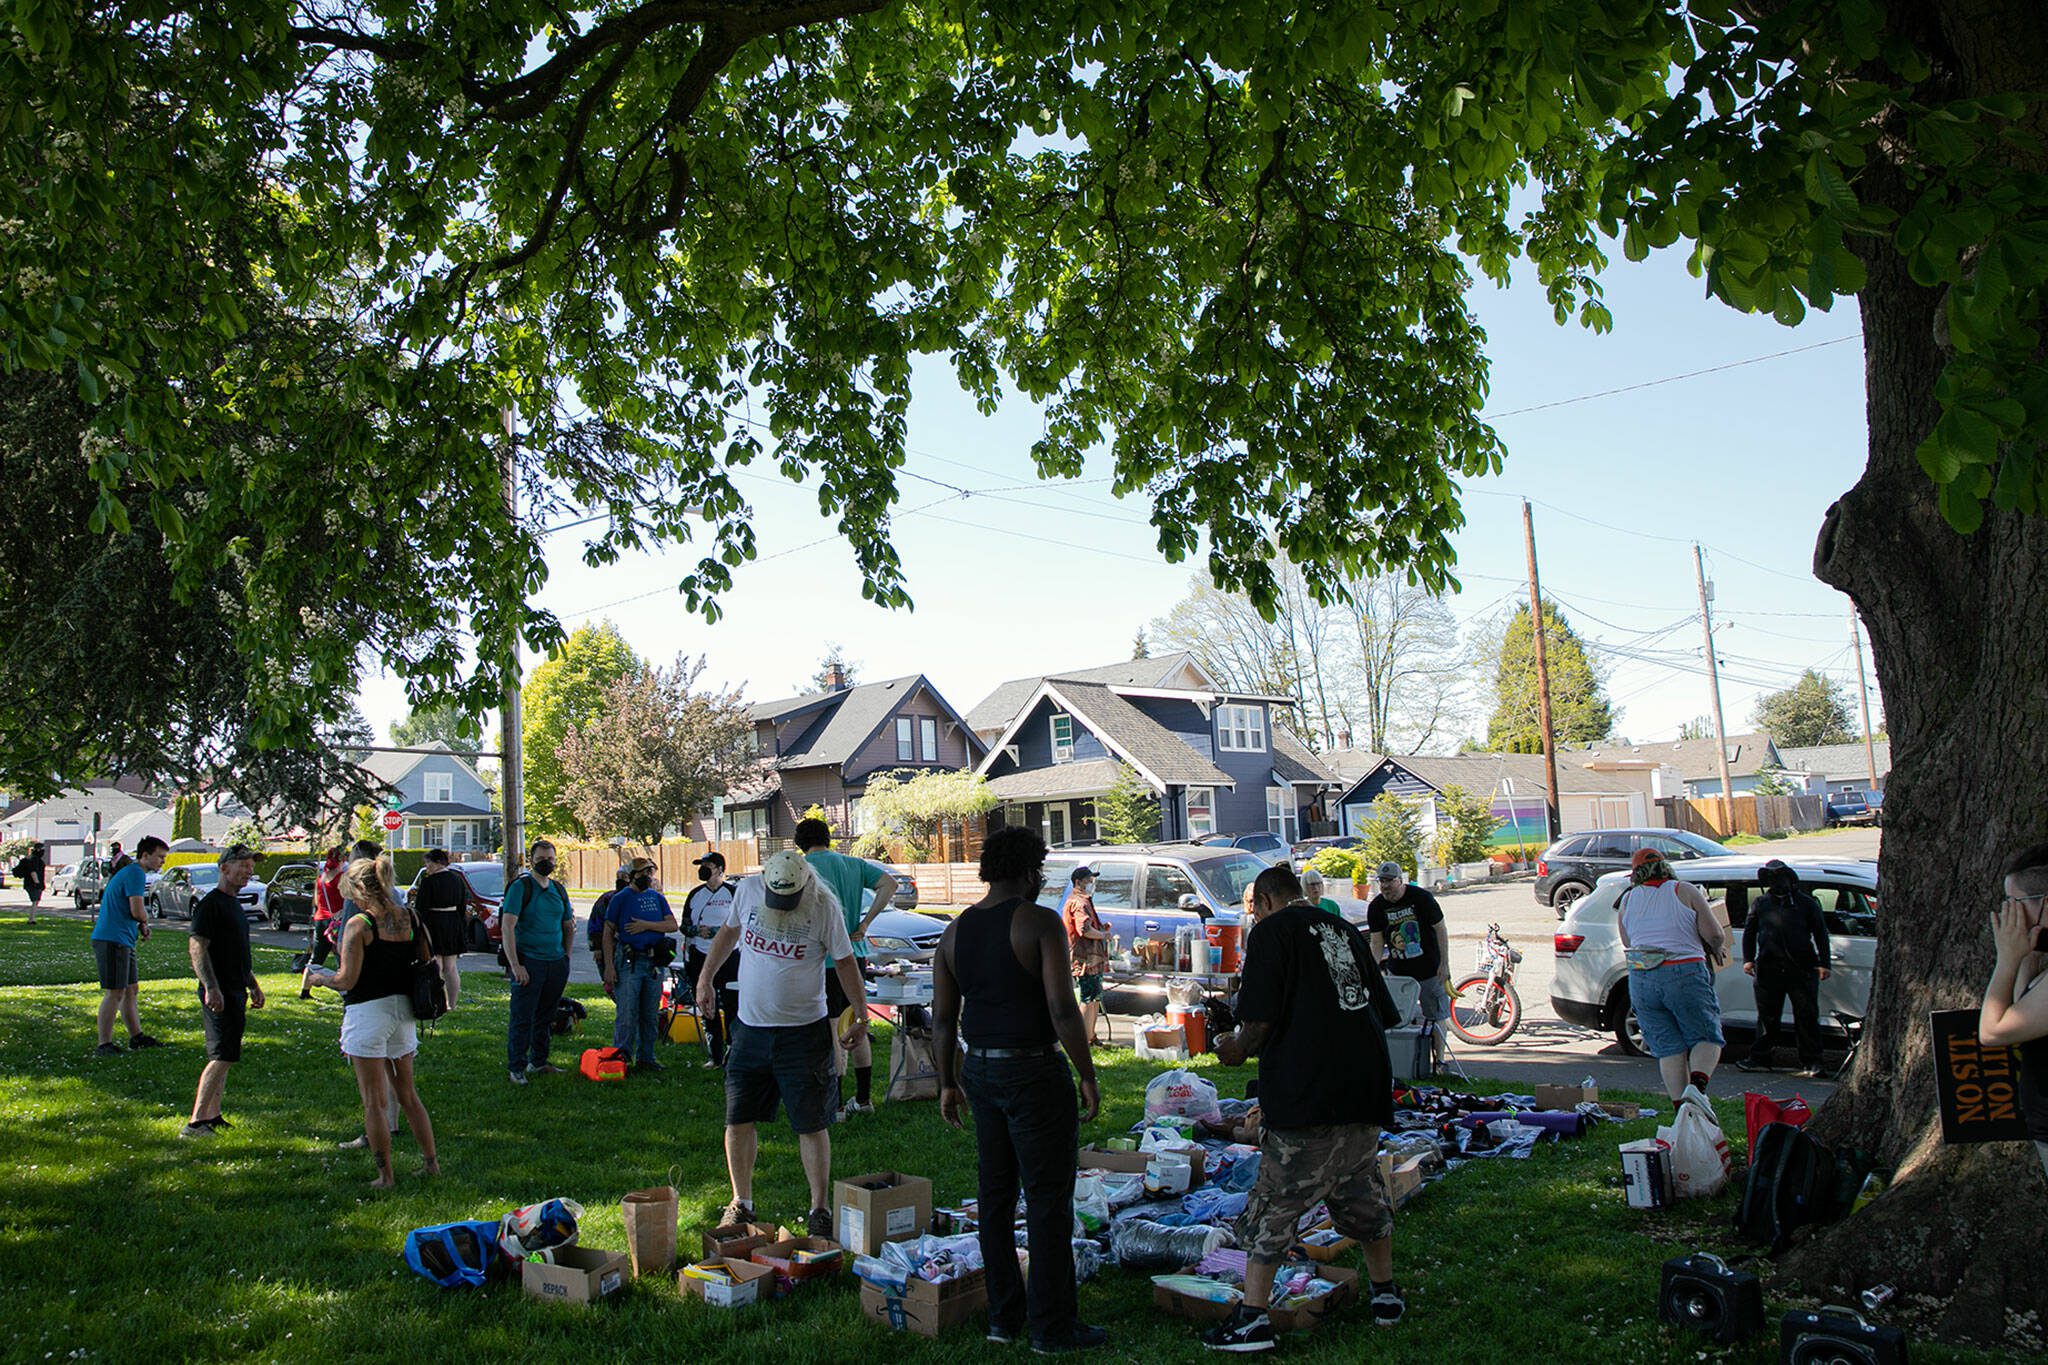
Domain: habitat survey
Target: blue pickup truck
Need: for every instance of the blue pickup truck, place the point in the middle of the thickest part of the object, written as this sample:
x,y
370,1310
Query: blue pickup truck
x,y
1856,808
1152,890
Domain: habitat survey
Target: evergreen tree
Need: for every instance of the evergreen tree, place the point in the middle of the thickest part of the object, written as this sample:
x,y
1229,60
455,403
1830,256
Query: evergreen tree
x,y
1129,812
185,818
1579,709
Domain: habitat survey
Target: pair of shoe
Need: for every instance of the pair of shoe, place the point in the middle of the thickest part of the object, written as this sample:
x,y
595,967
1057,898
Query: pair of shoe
x,y
853,1108
206,1128
1081,1338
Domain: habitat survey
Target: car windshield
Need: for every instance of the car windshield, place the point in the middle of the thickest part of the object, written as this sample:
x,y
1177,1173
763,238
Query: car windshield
x,y
203,876
487,880
1226,878
1707,847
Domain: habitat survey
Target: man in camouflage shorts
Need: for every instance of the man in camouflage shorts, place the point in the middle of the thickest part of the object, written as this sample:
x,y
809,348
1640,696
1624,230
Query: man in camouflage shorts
x,y
1314,1010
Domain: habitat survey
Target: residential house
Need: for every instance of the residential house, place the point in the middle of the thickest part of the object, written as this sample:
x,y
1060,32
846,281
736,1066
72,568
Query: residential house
x,y
1845,768
993,714
1587,798
441,800
88,818
1748,756
823,748
1218,761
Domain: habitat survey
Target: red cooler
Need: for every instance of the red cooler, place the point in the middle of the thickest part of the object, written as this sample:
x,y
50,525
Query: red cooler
x,y
1194,1023
1226,937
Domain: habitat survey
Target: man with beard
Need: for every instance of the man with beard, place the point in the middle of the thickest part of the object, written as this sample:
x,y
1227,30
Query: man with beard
x,y
784,923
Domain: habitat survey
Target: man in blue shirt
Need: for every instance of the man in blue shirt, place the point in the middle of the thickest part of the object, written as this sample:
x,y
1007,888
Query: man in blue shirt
x,y
847,877
637,952
122,923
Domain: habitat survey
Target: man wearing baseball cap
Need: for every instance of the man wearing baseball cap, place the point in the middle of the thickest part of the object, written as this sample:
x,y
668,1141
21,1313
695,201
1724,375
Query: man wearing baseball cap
x,y
1408,934
784,924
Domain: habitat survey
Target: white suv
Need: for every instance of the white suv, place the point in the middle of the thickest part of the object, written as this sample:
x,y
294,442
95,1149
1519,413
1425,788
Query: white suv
x,y
1591,985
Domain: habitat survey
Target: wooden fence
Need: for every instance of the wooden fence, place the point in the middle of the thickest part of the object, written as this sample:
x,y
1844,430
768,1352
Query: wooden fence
x,y
1719,817
676,863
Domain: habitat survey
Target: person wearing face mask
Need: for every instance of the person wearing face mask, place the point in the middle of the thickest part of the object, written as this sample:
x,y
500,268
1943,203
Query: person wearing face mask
x,y
536,919
705,912
637,951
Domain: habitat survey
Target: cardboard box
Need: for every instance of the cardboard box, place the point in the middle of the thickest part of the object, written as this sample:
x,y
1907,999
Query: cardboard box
x,y
750,1284
885,1206
579,1275
926,1308
1566,1096
1305,1316
1134,1163
1403,1181
781,1257
1621,1109
1328,1250
739,1240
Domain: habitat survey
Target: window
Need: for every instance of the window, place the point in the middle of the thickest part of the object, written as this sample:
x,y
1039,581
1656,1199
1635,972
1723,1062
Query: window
x,y
1671,848
1165,884
440,787
754,742
1241,729
460,833
928,739
1617,846
856,818
1201,811
1116,886
904,752
1846,911
1062,738
1280,815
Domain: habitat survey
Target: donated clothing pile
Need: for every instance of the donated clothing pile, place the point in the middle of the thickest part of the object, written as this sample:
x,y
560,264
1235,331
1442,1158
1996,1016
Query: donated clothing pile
x,y
1460,1126
937,1259
453,1255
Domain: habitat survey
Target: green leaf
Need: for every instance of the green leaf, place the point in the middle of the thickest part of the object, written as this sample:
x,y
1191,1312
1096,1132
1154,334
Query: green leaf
x,y
1825,185
1961,509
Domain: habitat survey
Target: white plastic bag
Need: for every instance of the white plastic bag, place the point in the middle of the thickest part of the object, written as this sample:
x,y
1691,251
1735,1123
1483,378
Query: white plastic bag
x,y
1699,1150
1145,1050
1091,1205
1183,1093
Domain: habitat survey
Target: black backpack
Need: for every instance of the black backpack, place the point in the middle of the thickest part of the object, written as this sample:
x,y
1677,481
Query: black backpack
x,y
1791,1184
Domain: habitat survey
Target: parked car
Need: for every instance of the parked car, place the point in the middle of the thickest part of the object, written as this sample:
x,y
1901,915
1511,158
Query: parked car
x,y
906,886
62,879
1856,808
178,889
290,898
1263,843
1568,869
88,880
1309,848
484,880
901,935
1591,984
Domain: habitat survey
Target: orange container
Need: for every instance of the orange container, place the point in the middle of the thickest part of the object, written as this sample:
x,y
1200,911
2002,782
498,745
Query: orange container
x,y
1226,936
1194,1024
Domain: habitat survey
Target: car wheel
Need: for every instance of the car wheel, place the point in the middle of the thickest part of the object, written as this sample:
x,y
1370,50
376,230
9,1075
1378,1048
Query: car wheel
x,y
1566,895
1627,1031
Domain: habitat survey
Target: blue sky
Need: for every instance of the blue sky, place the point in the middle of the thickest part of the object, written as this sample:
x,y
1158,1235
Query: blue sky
x,y
1019,582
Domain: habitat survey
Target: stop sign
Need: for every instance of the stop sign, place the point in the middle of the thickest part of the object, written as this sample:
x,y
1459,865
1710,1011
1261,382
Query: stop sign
x,y
392,820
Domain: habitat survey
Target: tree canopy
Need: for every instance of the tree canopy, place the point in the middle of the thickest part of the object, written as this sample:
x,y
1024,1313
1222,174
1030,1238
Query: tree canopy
x,y
563,693
1579,709
654,753
1810,711
438,722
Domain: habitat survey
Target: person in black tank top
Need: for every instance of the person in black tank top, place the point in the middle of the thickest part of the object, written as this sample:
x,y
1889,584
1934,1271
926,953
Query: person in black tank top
x,y
1002,981
2015,1009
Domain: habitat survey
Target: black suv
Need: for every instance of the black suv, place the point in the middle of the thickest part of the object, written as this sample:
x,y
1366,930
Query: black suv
x,y
1569,867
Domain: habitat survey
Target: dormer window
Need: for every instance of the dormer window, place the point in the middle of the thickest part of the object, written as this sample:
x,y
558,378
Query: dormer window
x,y
1241,729
1062,738
440,787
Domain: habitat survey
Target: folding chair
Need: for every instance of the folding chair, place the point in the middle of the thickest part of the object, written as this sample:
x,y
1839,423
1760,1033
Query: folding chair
x,y
1852,1024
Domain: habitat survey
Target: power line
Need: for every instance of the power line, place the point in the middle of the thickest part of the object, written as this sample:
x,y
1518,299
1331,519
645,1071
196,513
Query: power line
x,y
1667,379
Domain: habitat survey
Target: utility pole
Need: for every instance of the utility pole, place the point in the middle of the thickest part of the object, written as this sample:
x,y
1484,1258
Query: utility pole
x,y
1863,696
511,776
1553,823
1699,570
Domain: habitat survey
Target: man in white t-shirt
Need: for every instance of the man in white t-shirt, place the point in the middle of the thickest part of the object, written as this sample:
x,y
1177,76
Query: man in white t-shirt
x,y
784,924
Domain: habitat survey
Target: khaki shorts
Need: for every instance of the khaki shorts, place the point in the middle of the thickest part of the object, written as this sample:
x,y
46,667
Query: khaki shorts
x,y
1338,1164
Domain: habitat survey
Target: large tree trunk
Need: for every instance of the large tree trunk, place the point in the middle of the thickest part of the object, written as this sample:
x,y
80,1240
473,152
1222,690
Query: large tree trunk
x,y
1960,636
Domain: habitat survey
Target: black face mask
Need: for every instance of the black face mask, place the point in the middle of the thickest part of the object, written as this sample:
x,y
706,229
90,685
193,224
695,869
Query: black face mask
x,y
543,866
642,882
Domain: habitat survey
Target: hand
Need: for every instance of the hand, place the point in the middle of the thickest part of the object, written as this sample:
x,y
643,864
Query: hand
x,y
1822,972
1091,1099
949,1104
520,974
855,1034
214,1003
1749,969
1230,1050
2012,931
144,935
611,982
255,997
707,1003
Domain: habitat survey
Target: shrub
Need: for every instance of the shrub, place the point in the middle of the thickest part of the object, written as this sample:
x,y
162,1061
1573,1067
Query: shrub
x,y
1465,826
1341,865
1393,834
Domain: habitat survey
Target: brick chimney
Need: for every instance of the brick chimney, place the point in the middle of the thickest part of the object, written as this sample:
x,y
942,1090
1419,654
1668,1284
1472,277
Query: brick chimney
x,y
835,676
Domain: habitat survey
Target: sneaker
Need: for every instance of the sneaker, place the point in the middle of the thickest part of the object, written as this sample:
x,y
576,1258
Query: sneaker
x,y
853,1108
1754,1063
217,1121
139,1041
649,1065
202,1129
1244,1331
108,1050
818,1223
1081,1338
1807,1073
517,1077
1388,1305
544,1069
1003,1335
737,1212
356,1143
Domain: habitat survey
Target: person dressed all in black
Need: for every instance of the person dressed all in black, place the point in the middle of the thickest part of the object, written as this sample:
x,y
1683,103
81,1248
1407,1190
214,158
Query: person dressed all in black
x,y
1785,947
442,902
1002,979
33,870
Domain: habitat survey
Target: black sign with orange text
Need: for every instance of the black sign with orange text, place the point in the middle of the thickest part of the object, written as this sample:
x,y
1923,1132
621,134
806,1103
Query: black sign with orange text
x,y
1979,1086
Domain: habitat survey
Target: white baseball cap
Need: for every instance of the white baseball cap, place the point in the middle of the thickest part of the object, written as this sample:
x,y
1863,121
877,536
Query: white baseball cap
x,y
784,877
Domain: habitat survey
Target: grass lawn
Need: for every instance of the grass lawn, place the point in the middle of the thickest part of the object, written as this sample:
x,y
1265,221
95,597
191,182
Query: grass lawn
x,y
119,1241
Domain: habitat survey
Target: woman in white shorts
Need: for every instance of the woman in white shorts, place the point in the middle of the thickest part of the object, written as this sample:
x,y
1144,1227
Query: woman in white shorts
x,y
378,950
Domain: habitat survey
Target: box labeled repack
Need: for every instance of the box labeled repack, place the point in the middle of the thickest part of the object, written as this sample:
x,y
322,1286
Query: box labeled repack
x,y
885,1206
578,1275
926,1308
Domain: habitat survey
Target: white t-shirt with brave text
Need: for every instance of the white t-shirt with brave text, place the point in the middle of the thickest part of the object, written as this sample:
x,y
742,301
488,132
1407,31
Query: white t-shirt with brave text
x,y
782,965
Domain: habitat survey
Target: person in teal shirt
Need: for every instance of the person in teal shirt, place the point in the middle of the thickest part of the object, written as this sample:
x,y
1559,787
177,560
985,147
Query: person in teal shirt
x,y
1312,888
535,917
122,923
847,878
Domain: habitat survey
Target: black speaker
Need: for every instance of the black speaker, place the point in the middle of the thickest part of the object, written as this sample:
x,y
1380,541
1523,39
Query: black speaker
x,y
1701,1294
1837,1336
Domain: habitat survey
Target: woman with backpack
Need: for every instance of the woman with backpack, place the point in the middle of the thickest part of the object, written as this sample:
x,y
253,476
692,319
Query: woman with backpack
x,y
1670,935
32,870
379,946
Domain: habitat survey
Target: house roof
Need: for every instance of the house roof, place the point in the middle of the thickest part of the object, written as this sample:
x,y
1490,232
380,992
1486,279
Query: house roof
x,y
1058,782
1694,758
1161,757
435,808
1000,707
1294,761
849,718
1482,773
1839,761
391,769
78,806
1351,764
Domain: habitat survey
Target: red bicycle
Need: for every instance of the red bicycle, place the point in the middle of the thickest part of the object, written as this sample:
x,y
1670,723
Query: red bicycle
x,y
1485,1007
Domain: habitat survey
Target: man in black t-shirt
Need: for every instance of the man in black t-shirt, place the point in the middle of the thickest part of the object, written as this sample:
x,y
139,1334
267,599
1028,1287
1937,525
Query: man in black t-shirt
x,y
227,986
1410,939
1313,1008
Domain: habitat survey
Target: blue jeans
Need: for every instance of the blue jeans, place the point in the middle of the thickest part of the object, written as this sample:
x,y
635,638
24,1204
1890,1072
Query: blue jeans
x,y
1676,1007
529,1026
638,998
1025,1132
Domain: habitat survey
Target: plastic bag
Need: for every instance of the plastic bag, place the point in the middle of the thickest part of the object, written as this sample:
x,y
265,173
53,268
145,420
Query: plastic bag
x,y
539,1227
1699,1151
1183,1093
1145,1050
1240,1174
1143,1245
1091,1205
1212,1205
